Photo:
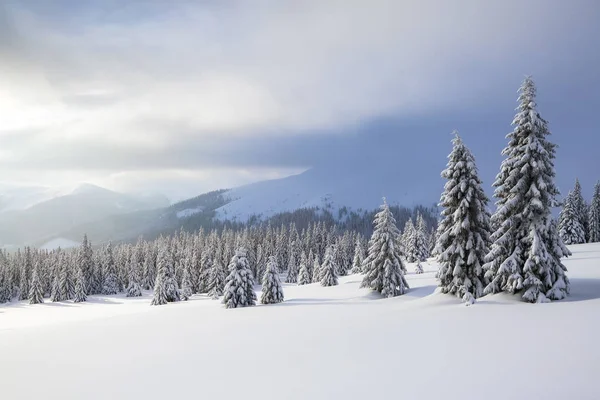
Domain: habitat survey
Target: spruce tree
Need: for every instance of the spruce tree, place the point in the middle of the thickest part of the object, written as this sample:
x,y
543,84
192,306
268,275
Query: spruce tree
x,y
111,280
239,289
272,292
526,252
359,255
328,270
216,281
36,295
292,270
186,284
66,283
594,216
85,261
80,285
408,240
383,267
419,268
570,228
134,288
304,277
316,276
464,232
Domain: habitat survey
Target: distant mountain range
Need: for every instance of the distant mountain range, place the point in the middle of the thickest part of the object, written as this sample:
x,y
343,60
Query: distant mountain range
x,y
35,215
106,215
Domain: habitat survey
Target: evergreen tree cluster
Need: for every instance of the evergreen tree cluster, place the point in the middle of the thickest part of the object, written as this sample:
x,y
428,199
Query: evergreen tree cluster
x,y
519,249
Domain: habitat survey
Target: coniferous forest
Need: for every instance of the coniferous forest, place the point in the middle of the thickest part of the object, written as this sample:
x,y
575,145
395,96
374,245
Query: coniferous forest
x,y
516,249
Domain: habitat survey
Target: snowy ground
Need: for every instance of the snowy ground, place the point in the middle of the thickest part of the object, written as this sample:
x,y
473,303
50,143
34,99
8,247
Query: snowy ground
x,y
322,343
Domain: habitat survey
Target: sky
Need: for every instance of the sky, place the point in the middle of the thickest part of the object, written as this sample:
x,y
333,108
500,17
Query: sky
x,y
189,96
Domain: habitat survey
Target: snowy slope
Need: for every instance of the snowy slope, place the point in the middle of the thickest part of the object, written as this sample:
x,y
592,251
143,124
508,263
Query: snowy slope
x,y
352,186
322,343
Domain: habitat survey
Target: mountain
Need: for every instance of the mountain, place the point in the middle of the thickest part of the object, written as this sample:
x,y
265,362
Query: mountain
x,y
356,187
46,219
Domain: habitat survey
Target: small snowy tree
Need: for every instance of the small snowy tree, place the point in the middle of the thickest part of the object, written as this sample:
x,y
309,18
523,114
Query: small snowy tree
x,y
80,285
134,288
383,267
239,289
165,287
419,268
359,255
464,233
36,295
292,270
329,269
216,281
186,285
316,277
594,216
304,274
570,228
111,280
272,292
526,252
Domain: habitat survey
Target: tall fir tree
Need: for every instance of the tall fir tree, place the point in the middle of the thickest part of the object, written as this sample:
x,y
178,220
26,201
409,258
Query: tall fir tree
x,y
383,268
36,295
239,289
304,277
80,285
328,271
134,288
292,269
464,232
359,255
272,292
594,216
570,228
86,262
111,280
526,251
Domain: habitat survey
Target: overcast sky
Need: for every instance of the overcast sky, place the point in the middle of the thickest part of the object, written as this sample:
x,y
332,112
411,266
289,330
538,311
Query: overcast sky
x,y
187,96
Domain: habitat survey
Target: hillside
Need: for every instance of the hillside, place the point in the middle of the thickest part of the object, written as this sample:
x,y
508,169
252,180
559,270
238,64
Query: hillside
x,y
338,342
46,220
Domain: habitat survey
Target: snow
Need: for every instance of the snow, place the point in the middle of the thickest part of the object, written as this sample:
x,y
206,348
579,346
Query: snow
x,y
188,212
63,243
337,342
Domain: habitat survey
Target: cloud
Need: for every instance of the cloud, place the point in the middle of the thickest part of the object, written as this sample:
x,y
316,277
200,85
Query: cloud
x,y
132,86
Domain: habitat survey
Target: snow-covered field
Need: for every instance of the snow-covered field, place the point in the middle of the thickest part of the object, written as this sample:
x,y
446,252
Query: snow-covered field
x,y
322,343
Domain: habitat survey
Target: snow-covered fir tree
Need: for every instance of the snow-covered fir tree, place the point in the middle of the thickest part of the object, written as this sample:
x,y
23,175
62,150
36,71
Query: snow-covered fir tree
x,y
80,285
359,256
383,268
419,268
111,280
594,216
316,275
85,261
36,295
216,283
239,289
186,284
304,277
272,292
66,281
570,228
464,232
408,240
328,270
421,239
526,250
292,270
165,287
134,288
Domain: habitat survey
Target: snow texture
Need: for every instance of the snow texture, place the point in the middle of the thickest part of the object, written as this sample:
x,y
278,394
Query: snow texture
x,y
153,352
